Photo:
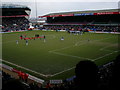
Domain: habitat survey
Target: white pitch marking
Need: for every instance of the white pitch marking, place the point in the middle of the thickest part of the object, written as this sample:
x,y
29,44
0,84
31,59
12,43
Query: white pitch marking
x,y
58,72
74,67
105,55
71,56
62,71
77,45
23,68
106,47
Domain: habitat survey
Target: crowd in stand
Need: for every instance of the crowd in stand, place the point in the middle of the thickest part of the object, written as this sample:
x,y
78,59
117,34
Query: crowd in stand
x,y
81,27
20,23
88,77
14,24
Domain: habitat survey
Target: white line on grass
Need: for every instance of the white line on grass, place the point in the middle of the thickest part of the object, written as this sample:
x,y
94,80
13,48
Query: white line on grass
x,y
37,72
58,72
24,68
64,55
53,51
81,57
92,60
106,47
63,71
60,49
71,56
76,44
105,55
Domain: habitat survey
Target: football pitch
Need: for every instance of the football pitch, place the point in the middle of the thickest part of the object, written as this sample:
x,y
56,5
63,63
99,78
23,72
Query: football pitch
x,y
55,58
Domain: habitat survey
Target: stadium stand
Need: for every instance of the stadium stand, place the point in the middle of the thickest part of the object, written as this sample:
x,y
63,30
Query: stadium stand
x,y
84,17
96,20
14,17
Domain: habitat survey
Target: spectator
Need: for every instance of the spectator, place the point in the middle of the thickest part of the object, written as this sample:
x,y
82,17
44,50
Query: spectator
x,y
115,80
86,75
13,85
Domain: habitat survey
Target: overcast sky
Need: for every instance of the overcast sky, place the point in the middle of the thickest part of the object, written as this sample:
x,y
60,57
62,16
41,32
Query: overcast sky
x,y
53,6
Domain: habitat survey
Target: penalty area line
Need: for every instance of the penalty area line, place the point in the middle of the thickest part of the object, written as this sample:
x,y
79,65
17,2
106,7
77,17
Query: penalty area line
x,y
77,44
63,71
92,60
69,55
105,55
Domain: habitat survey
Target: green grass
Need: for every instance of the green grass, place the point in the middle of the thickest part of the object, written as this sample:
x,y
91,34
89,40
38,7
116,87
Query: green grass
x,y
54,55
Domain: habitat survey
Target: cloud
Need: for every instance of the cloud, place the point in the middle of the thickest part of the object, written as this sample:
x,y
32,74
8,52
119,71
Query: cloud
x,y
60,0
54,7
